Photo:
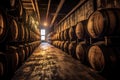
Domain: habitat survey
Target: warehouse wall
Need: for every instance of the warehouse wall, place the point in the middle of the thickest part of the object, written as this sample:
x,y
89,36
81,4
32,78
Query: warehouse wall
x,y
19,36
91,35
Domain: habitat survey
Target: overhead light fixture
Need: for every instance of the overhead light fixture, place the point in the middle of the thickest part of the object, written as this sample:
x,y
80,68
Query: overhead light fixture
x,y
45,24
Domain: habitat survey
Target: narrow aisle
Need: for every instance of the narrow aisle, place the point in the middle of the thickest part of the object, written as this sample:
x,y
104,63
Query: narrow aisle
x,y
50,63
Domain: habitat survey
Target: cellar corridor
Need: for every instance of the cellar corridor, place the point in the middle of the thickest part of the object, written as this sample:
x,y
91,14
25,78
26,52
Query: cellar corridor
x,y
59,39
50,63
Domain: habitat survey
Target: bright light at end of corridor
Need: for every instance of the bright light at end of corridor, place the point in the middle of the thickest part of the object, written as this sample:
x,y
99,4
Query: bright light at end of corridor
x,y
45,24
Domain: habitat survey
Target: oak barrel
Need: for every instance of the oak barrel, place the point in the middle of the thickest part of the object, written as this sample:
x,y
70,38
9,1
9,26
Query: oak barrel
x,y
72,48
16,9
3,65
26,33
104,58
9,4
21,32
72,34
104,22
66,44
13,57
12,34
80,30
21,54
3,26
66,34
81,52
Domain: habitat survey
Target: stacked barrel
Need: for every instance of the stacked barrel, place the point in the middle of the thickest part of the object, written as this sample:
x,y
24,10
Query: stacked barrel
x,y
61,38
104,30
18,37
93,41
73,40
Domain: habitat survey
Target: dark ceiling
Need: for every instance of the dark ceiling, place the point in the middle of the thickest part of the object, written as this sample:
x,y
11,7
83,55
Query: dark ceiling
x,y
54,5
51,11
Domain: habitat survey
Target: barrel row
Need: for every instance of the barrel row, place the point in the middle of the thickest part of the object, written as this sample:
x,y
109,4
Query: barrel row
x,y
101,58
72,33
101,53
14,30
101,23
17,39
14,57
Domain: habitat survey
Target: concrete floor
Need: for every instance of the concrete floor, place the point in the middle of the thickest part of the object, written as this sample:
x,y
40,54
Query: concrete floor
x,y
50,63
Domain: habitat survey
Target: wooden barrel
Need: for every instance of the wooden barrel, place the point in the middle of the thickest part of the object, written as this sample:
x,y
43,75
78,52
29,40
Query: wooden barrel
x,y
21,53
104,59
59,36
72,48
30,48
57,44
9,4
81,52
62,35
66,34
3,65
12,34
66,44
32,36
26,49
26,34
72,34
21,32
3,22
13,54
80,30
8,63
104,22
16,9
62,45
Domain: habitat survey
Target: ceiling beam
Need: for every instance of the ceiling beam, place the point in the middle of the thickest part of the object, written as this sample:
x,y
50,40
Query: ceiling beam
x,y
30,8
57,11
25,4
37,10
33,5
80,3
48,10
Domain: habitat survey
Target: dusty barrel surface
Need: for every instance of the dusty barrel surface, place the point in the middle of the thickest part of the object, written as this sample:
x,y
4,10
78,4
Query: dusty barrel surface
x,y
26,35
26,49
3,26
10,4
12,34
72,48
80,30
21,54
81,52
72,34
21,32
15,8
8,63
3,65
62,35
66,34
13,59
104,22
66,44
103,58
